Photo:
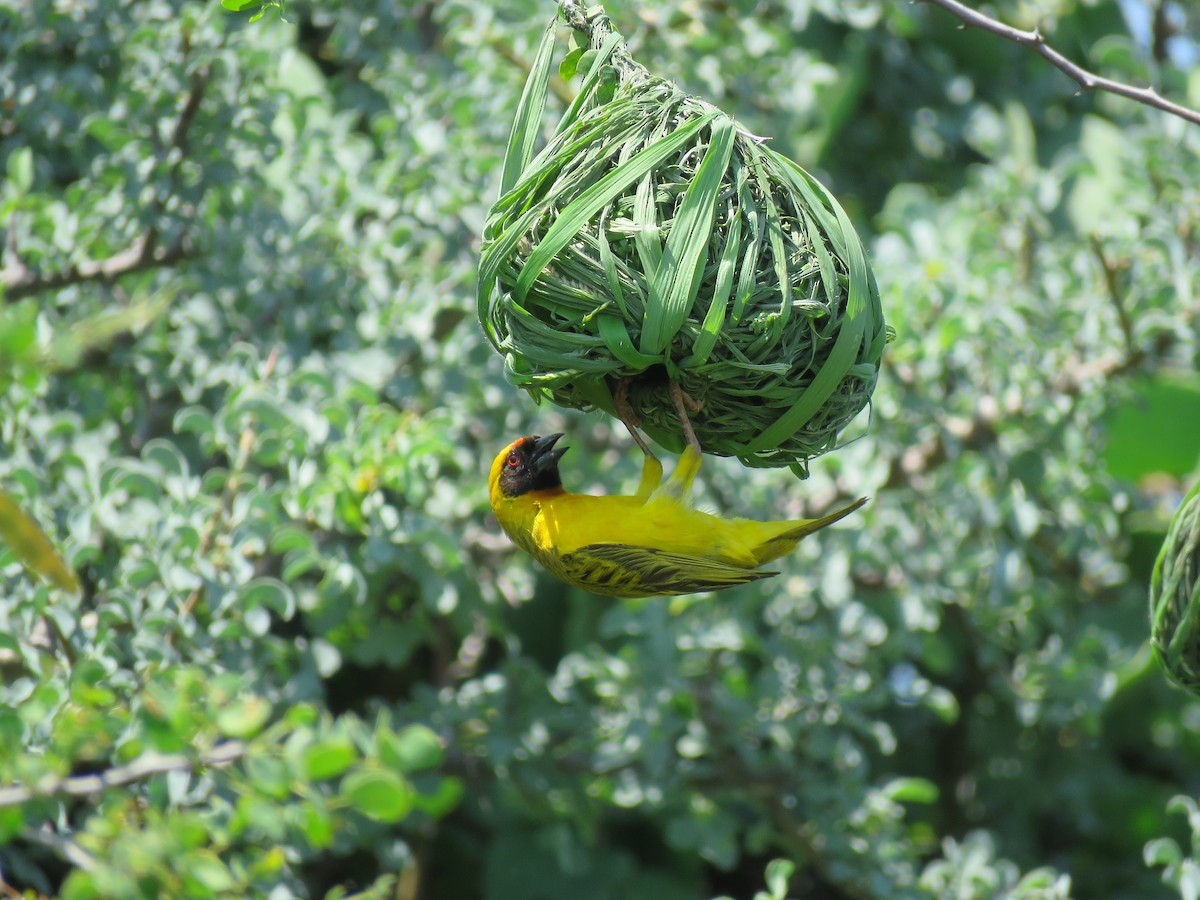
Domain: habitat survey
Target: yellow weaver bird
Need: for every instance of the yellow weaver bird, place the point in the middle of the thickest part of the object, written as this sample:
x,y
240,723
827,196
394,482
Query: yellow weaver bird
x,y
652,544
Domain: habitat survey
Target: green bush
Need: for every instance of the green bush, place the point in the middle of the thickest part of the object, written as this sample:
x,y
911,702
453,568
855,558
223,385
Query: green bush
x,y
243,393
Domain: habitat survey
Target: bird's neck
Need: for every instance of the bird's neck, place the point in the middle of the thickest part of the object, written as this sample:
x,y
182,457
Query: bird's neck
x,y
519,514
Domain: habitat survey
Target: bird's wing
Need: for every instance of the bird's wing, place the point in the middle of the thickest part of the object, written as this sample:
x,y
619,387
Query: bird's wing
x,y
623,570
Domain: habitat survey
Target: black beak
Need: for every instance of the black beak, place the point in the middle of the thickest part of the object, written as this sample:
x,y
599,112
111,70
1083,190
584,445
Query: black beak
x,y
544,457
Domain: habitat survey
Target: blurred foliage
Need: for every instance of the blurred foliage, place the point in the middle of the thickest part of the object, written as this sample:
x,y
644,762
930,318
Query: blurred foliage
x,y
243,394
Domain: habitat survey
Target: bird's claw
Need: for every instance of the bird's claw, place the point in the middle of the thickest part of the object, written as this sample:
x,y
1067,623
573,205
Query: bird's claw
x,y
652,470
682,403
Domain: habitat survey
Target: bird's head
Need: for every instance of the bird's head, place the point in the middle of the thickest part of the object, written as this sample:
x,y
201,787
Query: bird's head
x,y
527,464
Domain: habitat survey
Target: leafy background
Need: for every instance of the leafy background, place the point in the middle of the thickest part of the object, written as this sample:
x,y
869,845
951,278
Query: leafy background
x,y
242,390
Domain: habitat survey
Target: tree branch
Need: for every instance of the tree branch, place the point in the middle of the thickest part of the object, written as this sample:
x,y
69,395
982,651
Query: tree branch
x,y
145,766
18,281
981,431
1088,81
62,845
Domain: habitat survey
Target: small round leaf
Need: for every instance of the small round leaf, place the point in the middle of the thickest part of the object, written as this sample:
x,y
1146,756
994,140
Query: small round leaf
x,y
379,794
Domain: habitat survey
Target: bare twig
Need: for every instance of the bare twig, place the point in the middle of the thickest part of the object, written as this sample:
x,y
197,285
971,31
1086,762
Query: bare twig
x,y
19,282
980,431
145,766
1088,81
62,845
1112,283
969,434
11,892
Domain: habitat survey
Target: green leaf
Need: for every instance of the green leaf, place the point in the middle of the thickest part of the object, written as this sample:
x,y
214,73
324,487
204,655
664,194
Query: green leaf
x,y
1162,852
18,331
244,717
193,420
586,58
329,759
607,88
301,715
20,169
678,276
570,64
25,538
205,870
911,790
718,304
779,873
584,207
268,593
528,120
317,824
863,293
596,62
12,823
1153,428
269,775
239,5
415,749
445,797
378,794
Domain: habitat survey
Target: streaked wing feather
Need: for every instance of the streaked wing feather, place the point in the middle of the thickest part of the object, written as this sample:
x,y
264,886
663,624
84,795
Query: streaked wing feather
x,y
622,570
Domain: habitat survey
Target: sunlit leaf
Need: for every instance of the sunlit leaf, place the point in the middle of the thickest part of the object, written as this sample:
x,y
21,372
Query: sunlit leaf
x,y
378,794
25,538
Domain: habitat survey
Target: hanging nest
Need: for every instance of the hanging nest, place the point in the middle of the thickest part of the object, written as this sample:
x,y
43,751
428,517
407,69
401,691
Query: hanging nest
x,y
1175,596
654,240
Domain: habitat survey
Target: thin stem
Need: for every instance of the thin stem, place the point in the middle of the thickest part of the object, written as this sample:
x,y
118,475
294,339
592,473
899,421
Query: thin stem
x,y
1088,81
1112,283
145,766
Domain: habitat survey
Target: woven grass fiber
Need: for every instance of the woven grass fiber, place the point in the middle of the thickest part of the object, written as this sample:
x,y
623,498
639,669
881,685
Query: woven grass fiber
x,y
653,239
1175,596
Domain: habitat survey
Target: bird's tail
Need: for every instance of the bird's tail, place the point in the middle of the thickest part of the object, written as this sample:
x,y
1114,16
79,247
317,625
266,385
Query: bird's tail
x,y
786,541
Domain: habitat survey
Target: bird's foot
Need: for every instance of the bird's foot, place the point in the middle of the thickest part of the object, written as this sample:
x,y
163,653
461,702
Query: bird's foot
x,y
652,470
682,404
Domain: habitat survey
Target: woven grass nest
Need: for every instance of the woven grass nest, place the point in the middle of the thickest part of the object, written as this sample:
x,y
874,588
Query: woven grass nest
x,y
1175,596
654,240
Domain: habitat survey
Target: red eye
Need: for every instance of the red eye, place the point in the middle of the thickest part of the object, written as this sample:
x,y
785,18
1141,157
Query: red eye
x,y
513,460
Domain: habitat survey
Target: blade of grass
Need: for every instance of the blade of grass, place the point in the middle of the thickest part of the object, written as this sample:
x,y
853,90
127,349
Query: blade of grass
x,y
714,319
617,339
677,278
581,210
590,81
530,108
854,321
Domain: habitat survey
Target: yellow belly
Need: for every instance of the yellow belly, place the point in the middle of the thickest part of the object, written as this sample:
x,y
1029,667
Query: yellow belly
x,y
625,547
